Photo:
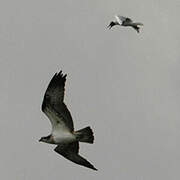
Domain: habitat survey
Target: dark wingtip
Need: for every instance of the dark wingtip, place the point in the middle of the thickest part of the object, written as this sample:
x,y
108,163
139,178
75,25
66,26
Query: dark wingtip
x,y
61,74
95,169
111,25
91,167
59,77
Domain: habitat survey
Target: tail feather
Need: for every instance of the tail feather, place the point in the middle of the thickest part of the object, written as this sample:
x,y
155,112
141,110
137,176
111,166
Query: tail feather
x,y
136,28
85,135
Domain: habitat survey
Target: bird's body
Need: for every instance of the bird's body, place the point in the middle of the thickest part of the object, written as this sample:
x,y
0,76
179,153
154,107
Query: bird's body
x,y
125,21
60,132
63,134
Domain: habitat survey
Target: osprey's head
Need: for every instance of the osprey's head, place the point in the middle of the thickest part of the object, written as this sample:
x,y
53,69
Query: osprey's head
x,y
112,23
47,139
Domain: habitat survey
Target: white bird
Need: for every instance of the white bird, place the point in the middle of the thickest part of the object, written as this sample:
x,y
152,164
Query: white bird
x,y
63,134
125,21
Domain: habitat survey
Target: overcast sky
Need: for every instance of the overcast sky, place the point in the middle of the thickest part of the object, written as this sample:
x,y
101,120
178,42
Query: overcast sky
x,y
125,85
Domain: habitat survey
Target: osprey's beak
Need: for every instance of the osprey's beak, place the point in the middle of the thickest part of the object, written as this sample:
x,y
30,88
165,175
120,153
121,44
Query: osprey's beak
x,y
40,140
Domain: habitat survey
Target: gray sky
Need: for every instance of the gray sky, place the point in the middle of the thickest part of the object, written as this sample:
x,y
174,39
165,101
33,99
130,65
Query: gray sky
x,y
123,84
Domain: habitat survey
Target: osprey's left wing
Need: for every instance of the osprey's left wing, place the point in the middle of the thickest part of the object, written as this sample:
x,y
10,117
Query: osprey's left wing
x,y
53,105
70,151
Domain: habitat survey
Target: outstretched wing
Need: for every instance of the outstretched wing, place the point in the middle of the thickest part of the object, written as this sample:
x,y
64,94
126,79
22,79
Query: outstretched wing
x,y
121,19
70,151
53,105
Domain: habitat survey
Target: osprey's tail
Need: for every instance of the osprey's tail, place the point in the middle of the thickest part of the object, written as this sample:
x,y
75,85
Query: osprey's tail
x,y
85,135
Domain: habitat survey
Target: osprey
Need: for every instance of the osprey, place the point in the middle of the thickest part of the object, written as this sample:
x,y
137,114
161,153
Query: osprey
x,y
63,134
125,21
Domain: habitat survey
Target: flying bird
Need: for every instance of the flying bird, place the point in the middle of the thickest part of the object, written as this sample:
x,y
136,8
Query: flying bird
x,y
125,21
63,134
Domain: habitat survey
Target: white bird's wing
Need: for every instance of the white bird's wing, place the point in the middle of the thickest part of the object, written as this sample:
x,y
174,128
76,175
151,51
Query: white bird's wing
x,y
120,19
53,105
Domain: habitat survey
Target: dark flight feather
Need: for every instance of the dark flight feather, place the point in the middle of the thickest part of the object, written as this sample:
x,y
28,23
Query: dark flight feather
x,y
70,152
54,97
